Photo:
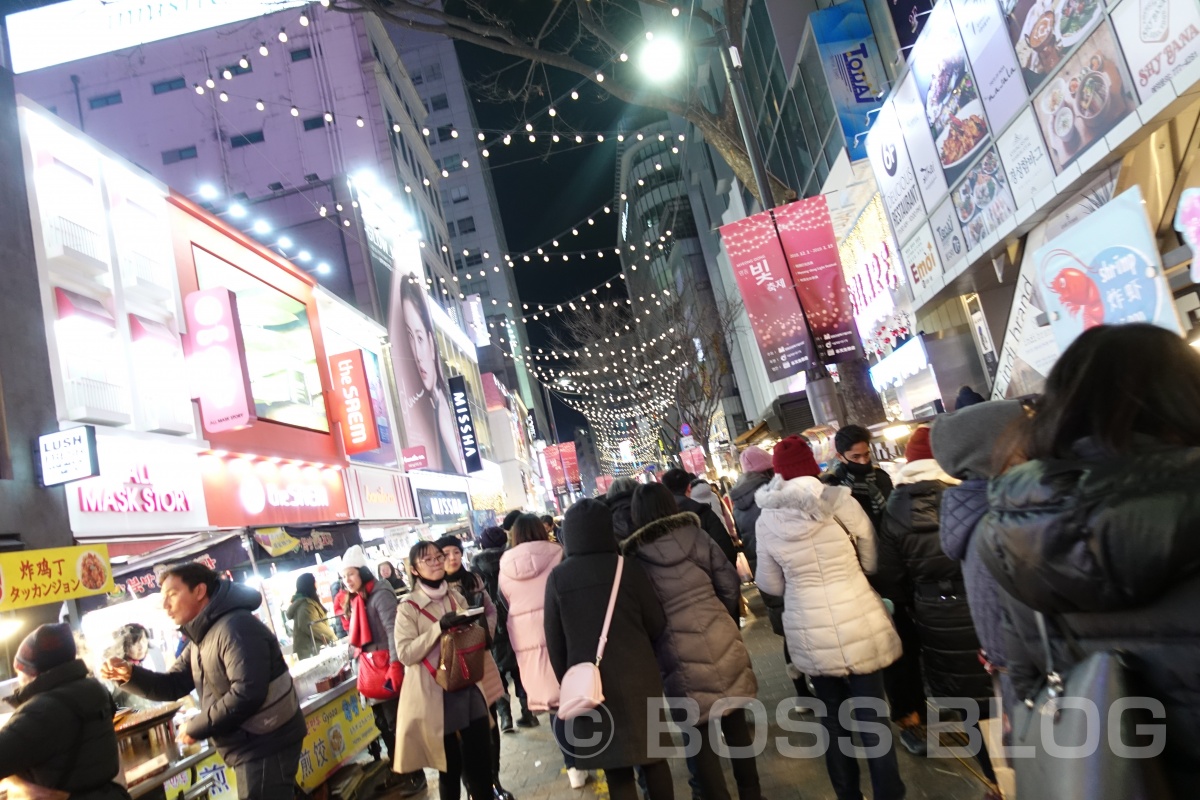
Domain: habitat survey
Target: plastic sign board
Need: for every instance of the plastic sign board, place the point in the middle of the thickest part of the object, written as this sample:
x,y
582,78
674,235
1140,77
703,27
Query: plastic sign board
x,y
68,455
245,491
465,424
44,577
852,66
217,360
414,458
352,405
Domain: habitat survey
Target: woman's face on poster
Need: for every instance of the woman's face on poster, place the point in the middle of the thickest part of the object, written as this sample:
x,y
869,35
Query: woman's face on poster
x,y
420,340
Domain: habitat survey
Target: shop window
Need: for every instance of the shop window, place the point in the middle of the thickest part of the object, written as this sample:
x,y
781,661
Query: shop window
x,y
458,194
438,102
450,227
105,100
301,54
314,123
473,259
254,137
173,85
466,225
181,154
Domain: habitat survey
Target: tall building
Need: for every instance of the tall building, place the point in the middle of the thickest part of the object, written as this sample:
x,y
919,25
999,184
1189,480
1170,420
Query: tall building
x,y
473,219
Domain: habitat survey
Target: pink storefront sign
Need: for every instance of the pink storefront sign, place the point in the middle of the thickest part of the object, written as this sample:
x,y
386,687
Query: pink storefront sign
x,y
217,360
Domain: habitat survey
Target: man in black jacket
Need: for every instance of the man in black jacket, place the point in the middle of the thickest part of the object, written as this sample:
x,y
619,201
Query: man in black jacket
x,y
680,484
248,705
855,470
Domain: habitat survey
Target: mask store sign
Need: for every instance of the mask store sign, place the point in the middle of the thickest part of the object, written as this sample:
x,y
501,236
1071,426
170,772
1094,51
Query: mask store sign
x,y
465,424
247,491
142,487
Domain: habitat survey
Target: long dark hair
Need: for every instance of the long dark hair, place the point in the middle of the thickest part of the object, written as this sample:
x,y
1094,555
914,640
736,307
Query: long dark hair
x,y
652,501
412,292
415,553
306,586
529,528
1115,382
366,576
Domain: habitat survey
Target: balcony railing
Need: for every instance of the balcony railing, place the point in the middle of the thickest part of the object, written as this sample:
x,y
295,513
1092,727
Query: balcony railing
x,y
68,235
89,399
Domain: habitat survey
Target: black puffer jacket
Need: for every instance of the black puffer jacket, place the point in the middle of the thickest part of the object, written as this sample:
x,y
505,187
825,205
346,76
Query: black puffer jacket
x,y
238,658
1111,547
486,564
622,517
61,736
914,571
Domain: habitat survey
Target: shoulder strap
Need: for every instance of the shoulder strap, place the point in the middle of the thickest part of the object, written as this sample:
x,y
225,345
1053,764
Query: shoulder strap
x,y
612,603
432,618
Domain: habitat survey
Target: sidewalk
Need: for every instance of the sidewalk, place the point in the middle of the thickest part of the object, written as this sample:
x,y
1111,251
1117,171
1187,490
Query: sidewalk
x,y
532,769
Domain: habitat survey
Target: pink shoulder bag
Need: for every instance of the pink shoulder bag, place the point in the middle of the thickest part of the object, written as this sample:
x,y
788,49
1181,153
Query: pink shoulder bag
x,y
582,689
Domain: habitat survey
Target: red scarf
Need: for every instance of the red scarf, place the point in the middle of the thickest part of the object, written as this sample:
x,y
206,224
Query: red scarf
x,y
360,625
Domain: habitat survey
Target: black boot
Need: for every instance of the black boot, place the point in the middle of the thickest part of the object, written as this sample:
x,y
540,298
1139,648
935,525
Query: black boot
x,y
412,783
499,791
504,715
527,718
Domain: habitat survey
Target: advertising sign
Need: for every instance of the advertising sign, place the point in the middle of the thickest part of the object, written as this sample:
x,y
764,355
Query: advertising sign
x,y
465,424
693,460
442,507
1025,158
1159,37
924,265
1105,270
352,407
992,59
245,491
894,173
1044,32
414,458
872,268
811,247
217,360
385,455
68,455
377,494
948,236
852,67
603,482
1088,96
908,18
949,93
40,577
910,112
982,199
337,732
556,467
761,271
570,461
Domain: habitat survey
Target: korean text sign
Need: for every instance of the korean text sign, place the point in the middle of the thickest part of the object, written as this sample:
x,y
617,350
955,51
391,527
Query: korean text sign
x,y
41,577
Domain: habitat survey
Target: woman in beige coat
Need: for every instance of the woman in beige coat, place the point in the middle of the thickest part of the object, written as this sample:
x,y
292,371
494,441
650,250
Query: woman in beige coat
x,y
448,731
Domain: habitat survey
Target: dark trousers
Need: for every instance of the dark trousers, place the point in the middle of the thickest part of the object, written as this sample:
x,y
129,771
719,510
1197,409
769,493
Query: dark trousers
x,y
468,759
736,729
905,686
843,769
385,721
560,735
799,682
270,778
658,786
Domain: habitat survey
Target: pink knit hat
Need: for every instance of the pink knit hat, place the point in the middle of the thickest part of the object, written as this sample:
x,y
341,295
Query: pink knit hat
x,y
755,459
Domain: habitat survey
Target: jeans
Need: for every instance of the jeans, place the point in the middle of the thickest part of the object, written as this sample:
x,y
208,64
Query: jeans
x,y
843,769
736,728
659,784
272,777
468,759
560,735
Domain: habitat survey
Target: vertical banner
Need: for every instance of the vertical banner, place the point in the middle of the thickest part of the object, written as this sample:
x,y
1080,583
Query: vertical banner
x,y
602,483
352,406
466,425
811,247
554,465
570,461
694,461
761,270
895,174
853,68
217,360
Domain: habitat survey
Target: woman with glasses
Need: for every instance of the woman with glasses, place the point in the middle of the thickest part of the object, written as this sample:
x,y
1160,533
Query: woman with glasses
x,y
448,731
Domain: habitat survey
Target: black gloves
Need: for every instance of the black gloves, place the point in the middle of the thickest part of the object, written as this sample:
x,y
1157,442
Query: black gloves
x,y
450,620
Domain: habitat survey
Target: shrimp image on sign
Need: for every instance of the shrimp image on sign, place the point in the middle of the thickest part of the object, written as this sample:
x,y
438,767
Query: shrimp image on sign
x,y
1079,293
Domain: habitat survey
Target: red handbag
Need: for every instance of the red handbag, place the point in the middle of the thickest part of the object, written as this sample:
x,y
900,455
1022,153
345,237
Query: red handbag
x,y
379,678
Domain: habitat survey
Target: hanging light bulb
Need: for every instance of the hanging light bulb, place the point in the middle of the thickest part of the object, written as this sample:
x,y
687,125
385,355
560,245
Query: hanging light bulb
x,y
532,138
262,50
624,56
486,154
295,111
224,97
574,95
552,112
260,105
599,137
360,122
227,74
210,83
555,138
282,35
395,127
244,62
199,89
578,139
480,136
599,77
304,20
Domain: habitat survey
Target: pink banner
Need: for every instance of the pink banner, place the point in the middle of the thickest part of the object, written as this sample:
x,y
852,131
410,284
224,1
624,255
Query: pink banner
x,y
693,460
217,360
603,482
762,276
570,461
554,464
811,247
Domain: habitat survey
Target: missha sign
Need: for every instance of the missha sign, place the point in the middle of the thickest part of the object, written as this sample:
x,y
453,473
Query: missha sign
x,y
250,491
465,424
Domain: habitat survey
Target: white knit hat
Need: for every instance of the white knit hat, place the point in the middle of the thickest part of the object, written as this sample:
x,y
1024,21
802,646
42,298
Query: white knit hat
x,y
354,557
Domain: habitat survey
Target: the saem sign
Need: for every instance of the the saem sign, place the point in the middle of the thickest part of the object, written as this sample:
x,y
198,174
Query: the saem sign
x,y
217,360
352,402
464,423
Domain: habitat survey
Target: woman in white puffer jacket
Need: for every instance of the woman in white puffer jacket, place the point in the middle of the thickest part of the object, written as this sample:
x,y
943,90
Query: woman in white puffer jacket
x,y
815,545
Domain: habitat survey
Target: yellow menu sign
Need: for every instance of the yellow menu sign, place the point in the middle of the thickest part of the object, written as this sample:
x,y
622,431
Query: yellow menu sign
x,y
40,577
337,732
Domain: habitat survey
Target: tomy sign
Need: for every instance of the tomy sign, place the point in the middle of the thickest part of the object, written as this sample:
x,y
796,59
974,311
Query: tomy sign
x,y
68,455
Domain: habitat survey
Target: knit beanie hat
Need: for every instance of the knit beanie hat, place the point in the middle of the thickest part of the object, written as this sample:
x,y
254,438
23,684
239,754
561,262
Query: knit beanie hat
x,y
47,647
755,459
918,445
354,557
493,536
449,540
793,458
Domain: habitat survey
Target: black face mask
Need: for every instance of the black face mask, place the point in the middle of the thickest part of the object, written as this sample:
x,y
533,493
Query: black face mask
x,y
429,583
859,470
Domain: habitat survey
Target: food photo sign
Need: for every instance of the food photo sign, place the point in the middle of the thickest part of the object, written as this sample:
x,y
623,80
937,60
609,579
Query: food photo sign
x,y
1044,32
983,200
41,577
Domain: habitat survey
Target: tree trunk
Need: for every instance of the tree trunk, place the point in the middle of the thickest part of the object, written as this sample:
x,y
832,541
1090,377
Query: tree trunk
x,y
863,404
725,136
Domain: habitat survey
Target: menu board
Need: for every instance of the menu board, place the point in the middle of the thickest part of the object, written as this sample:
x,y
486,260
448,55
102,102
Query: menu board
x,y
1044,32
1089,95
1025,158
982,199
923,263
992,59
949,94
894,173
910,112
948,236
1159,37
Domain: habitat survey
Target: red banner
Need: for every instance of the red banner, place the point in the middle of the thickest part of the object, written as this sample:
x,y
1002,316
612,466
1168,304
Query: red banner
x,y
554,465
570,461
352,402
811,247
762,276
693,460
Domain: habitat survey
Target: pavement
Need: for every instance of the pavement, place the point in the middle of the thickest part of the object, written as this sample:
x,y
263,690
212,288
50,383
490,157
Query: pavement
x,y
532,768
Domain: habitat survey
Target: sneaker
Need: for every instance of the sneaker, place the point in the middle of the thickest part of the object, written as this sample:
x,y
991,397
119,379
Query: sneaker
x,y
577,777
913,739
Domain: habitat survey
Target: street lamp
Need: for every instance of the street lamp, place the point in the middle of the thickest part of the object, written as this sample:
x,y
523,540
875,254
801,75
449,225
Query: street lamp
x,y
661,58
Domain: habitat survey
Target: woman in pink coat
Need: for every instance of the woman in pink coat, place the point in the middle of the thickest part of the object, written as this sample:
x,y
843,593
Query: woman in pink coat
x,y
524,570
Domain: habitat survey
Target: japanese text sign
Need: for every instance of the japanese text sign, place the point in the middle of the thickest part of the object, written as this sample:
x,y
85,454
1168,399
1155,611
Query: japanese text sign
x,y
41,577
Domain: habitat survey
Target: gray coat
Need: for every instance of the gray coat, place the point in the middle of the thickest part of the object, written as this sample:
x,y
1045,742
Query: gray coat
x,y
238,657
701,653
381,615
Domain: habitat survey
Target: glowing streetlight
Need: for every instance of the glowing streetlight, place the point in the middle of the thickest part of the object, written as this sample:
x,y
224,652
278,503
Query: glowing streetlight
x,y
661,58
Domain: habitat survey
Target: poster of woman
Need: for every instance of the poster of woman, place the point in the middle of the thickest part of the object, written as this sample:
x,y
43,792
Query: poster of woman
x,y
420,377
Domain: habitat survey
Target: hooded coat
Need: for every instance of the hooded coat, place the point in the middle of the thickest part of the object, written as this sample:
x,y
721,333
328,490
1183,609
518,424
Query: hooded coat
x,y
577,595
703,493
745,517
237,657
622,516
914,571
486,564
524,572
701,653
711,524
815,546
61,736
1107,546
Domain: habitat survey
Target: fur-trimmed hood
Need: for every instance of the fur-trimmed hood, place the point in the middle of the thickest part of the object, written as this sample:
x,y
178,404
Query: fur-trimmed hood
x,y
804,495
650,541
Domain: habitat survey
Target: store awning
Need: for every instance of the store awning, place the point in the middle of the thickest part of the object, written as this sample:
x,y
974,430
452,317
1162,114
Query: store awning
x,y
753,436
